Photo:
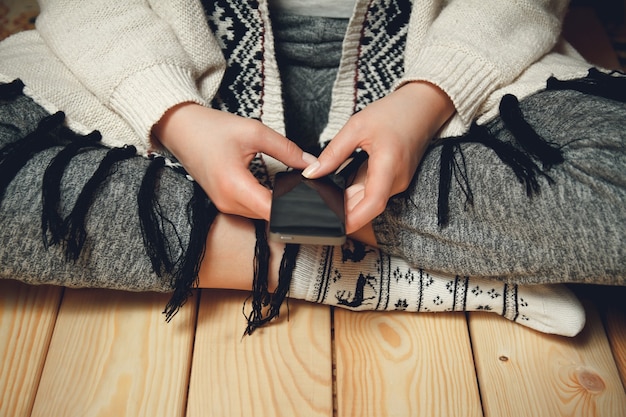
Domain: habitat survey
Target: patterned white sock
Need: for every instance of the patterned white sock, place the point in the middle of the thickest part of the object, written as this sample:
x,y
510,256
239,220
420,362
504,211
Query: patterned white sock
x,y
359,277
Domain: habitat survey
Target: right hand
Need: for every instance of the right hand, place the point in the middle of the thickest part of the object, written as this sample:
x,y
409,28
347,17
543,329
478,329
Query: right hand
x,y
395,132
216,148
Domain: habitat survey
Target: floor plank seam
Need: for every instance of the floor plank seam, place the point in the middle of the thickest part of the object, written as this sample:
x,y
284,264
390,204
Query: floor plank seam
x,y
471,343
198,294
48,342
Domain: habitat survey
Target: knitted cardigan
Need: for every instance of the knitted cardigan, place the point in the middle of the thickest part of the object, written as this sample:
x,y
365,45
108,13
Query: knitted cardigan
x,y
119,66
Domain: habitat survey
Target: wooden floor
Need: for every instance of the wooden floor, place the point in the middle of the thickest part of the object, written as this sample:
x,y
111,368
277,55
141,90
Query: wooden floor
x,y
82,353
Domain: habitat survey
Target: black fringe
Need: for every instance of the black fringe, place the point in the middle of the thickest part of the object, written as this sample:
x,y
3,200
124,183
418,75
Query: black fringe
x,y
74,225
285,274
533,146
43,133
596,83
260,294
532,143
201,214
15,155
51,220
445,181
524,167
256,319
451,166
151,219
10,91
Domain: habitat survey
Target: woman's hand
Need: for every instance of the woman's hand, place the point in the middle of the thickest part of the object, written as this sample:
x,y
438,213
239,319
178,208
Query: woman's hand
x,y
395,131
216,148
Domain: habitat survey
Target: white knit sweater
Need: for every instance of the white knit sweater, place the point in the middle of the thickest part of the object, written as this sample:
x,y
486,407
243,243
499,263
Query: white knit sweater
x,y
117,66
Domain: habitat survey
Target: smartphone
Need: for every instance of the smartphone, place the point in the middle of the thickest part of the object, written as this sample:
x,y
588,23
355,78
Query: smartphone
x,y
307,211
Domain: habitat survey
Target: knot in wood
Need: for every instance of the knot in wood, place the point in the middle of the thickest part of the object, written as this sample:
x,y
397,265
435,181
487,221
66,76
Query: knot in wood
x,y
590,380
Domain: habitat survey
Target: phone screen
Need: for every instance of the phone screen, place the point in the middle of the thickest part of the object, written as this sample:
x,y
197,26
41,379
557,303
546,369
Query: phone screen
x,y
307,211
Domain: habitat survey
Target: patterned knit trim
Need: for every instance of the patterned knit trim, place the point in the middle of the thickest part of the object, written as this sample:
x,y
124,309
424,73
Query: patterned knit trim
x,y
372,59
381,54
239,29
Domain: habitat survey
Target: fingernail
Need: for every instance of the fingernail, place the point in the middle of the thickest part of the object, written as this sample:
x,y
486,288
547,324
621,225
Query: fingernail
x,y
308,158
352,190
311,169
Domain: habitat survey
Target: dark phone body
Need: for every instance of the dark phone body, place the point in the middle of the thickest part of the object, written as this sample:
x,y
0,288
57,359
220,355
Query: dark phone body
x,y
307,211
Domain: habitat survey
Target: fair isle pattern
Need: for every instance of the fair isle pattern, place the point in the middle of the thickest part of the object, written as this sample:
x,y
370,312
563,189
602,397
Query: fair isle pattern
x,y
381,59
238,26
347,280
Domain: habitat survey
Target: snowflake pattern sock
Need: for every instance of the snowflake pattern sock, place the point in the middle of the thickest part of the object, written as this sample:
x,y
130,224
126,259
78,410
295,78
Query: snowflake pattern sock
x,y
359,277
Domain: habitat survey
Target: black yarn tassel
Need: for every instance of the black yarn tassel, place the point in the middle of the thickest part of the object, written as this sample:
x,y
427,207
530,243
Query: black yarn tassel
x,y
74,225
10,91
276,300
285,274
15,155
445,182
201,214
260,294
51,220
526,136
596,83
525,169
448,169
151,219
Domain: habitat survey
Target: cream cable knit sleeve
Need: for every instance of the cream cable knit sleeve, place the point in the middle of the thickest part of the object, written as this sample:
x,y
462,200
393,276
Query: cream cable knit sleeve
x,y
137,57
474,47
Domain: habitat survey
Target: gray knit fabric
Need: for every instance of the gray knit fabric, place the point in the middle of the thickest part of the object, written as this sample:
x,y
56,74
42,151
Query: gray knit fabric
x,y
308,51
114,254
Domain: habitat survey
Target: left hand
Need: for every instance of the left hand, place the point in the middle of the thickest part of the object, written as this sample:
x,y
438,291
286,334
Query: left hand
x,y
395,131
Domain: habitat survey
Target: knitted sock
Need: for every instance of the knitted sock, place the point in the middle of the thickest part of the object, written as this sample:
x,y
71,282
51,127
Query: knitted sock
x,y
358,277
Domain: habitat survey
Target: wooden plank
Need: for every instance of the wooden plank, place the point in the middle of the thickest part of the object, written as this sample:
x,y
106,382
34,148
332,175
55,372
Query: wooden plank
x,y
610,302
27,317
526,373
283,369
113,354
402,364
616,331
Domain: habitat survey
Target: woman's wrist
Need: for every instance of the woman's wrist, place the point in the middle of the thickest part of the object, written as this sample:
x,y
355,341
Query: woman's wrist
x,y
440,106
172,124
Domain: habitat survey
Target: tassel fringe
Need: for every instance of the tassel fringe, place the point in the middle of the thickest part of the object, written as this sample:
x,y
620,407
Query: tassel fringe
x,y
71,231
274,301
201,213
12,90
151,219
526,136
74,224
532,147
51,220
260,294
450,167
445,182
596,83
15,155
